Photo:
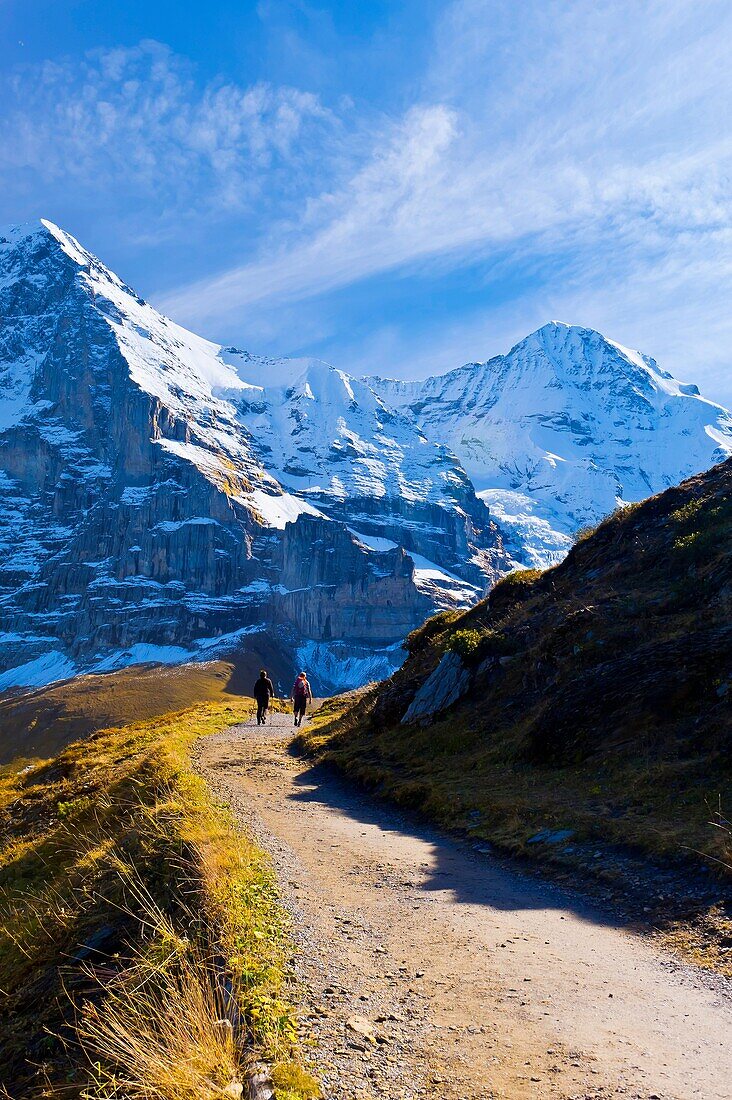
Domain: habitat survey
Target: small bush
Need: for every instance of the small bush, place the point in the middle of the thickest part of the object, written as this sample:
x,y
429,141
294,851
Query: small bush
x,y
292,1082
75,808
516,581
520,577
687,513
429,629
465,643
471,643
697,545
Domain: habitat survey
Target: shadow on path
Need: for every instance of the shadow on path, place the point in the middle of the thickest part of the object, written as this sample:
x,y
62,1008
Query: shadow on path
x,y
473,877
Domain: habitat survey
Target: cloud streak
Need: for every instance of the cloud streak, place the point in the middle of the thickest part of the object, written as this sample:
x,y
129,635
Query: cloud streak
x,y
597,131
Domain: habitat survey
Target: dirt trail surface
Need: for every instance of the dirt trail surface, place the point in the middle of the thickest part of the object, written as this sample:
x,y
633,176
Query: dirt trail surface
x,y
429,969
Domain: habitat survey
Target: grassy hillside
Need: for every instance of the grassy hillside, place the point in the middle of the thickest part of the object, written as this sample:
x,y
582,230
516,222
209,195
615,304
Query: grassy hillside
x,y
37,724
143,950
598,700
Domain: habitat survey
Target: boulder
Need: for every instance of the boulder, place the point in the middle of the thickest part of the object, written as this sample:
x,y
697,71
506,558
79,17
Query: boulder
x,y
443,687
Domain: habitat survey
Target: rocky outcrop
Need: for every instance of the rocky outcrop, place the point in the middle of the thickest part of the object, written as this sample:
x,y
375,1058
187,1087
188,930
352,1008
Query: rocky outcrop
x,y
463,539
443,687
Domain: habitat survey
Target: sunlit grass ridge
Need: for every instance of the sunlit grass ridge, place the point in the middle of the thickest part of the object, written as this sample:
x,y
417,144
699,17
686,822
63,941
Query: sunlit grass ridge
x,y
143,949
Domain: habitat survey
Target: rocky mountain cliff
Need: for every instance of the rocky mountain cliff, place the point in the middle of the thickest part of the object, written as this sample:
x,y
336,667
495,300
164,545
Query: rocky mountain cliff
x,y
563,429
159,501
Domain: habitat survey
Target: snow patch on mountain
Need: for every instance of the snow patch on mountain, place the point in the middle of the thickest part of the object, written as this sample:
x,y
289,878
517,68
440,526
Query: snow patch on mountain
x,y
429,577
49,667
327,436
334,666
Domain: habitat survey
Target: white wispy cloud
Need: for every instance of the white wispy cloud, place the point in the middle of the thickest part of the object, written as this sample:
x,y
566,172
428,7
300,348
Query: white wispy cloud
x,y
375,222
575,126
135,117
668,306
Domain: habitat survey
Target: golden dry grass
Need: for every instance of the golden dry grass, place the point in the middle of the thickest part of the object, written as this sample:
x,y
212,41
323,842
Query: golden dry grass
x,y
162,1026
133,917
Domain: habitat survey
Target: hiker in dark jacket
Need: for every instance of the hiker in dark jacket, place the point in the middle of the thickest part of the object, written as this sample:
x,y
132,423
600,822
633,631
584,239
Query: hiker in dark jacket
x,y
301,695
263,692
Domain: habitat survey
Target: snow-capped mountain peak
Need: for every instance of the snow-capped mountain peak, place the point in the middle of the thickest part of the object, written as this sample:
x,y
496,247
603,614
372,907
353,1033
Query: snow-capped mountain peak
x,y
564,428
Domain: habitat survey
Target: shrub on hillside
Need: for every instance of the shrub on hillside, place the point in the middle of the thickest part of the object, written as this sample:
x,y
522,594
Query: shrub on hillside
x,y
478,644
465,643
520,578
429,629
688,512
585,532
702,532
512,589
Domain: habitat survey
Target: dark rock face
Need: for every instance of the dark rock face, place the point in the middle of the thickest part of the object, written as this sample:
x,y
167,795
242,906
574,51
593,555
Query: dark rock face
x,y
105,527
139,520
443,687
339,589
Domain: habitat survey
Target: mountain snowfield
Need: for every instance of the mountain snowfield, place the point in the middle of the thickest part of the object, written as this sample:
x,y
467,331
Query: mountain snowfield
x,y
562,430
164,497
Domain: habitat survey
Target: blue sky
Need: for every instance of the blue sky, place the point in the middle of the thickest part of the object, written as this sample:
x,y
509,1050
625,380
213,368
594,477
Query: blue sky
x,y
396,187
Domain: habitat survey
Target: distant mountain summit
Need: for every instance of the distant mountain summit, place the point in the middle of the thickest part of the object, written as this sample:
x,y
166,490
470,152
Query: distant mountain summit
x,y
164,497
562,429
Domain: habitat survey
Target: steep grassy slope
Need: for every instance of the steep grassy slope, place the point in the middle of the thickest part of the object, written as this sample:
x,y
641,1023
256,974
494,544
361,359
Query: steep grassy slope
x,y
134,923
598,699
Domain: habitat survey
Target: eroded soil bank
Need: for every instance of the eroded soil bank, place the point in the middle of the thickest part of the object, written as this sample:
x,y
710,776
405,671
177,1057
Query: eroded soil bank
x,y
430,969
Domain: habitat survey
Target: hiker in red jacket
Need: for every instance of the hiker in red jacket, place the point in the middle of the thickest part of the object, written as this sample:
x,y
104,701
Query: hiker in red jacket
x,y
301,695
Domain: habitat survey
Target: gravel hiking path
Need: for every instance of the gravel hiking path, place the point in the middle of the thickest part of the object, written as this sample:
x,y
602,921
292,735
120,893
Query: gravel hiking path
x,y
430,969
